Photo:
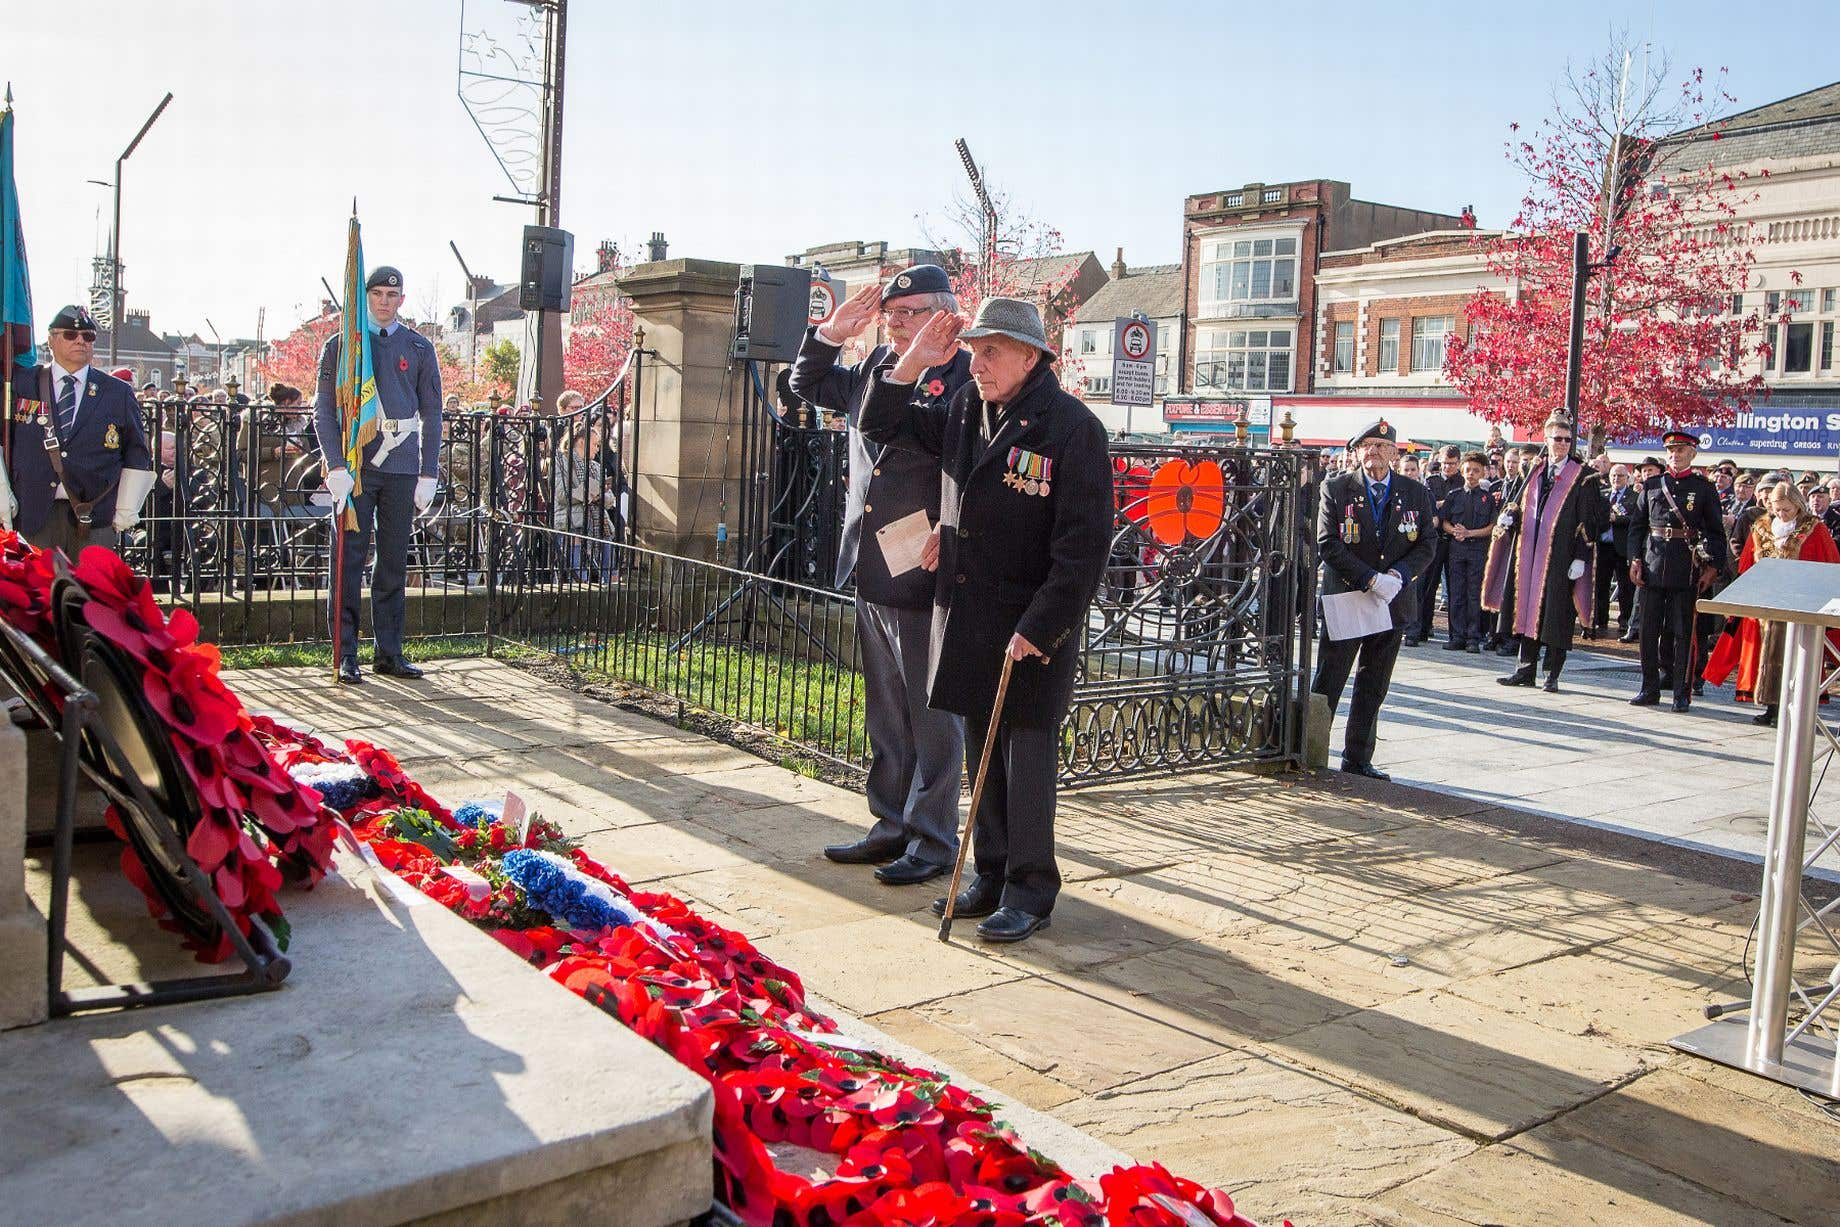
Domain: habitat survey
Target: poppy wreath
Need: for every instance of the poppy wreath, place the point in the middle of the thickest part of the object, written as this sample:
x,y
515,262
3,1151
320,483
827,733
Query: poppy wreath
x,y
909,1147
258,827
1185,501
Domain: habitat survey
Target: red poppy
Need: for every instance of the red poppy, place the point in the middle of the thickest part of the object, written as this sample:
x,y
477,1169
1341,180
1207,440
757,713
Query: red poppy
x,y
935,387
1185,500
192,700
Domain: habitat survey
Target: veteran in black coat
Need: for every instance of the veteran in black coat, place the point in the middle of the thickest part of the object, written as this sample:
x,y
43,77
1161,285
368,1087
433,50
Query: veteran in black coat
x,y
78,464
1026,518
1677,547
1374,532
916,752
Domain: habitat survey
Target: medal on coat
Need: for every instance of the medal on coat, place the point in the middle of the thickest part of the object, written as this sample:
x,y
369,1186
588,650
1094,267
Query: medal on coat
x,y
111,438
1690,498
1028,472
1351,526
1409,525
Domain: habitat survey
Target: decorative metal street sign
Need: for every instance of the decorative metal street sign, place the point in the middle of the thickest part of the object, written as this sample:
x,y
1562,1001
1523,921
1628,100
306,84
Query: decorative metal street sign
x,y
1133,361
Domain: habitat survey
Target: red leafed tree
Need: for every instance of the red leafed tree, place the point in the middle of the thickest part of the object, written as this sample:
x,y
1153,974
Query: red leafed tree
x,y
599,340
294,359
1028,260
1661,343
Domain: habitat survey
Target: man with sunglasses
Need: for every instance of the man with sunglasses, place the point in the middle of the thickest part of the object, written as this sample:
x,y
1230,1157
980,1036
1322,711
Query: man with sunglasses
x,y
916,752
1538,575
79,464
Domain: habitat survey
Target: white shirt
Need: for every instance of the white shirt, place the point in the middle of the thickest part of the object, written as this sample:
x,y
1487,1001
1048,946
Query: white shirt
x,y
57,389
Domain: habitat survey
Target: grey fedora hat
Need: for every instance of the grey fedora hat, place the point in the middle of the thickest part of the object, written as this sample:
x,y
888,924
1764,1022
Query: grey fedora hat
x,y
1012,318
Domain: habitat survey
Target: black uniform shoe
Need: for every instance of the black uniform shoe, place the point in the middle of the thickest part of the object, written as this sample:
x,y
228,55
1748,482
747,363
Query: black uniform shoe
x,y
1646,698
910,870
1522,676
1682,702
1509,648
1551,685
394,666
1365,770
1411,641
1766,717
1009,924
975,902
1455,645
1627,637
1699,689
867,851
1474,649
348,673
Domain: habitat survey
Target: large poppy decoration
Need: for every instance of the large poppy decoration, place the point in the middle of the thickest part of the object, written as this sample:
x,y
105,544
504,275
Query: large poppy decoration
x,y
1185,501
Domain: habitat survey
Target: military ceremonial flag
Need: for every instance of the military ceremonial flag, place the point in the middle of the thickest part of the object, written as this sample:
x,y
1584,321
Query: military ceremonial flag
x,y
15,295
356,389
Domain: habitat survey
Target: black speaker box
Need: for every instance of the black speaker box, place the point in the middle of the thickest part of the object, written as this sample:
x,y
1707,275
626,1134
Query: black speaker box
x,y
549,260
772,310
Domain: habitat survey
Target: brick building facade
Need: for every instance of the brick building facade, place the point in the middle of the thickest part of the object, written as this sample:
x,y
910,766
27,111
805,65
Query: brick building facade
x,y
1250,258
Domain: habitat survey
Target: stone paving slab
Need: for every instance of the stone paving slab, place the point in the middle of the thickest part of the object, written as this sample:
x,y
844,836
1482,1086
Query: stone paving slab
x,y
1346,1002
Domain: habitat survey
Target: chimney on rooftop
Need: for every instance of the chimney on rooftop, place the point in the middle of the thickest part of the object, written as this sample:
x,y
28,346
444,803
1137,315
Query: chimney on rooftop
x,y
655,249
1118,269
607,255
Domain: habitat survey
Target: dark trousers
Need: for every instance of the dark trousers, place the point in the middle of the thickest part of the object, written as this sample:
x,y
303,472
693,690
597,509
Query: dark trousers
x,y
1376,654
1613,577
1667,611
1013,843
60,531
1530,656
1465,599
1428,587
915,751
387,506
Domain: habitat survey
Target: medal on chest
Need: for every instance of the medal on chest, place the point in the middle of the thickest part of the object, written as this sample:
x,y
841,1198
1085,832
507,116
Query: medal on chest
x,y
1351,525
1029,472
1690,497
1408,524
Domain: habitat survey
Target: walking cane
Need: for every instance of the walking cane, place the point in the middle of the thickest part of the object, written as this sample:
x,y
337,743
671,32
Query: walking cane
x,y
977,795
338,586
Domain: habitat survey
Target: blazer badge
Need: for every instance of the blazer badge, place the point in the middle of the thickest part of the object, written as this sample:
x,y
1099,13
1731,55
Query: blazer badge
x,y
1028,472
111,438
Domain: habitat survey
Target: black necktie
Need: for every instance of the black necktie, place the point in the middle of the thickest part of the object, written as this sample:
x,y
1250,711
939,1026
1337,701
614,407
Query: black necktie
x,y
381,334
67,405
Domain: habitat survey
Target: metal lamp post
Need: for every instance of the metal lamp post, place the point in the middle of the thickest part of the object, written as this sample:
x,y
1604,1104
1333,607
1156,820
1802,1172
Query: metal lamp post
x,y
115,244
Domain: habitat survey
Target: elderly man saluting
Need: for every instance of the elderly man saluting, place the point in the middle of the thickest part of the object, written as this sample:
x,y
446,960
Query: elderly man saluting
x,y
1025,522
915,753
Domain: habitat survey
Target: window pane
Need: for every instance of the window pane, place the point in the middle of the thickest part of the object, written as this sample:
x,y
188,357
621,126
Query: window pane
x,y
1282,283
1261,279
1344,331
1288,247
1242,248
1737,304
1772,303
1418,330
1261,247
1236,370
1798,350
1278,371
1256,339
1389,330
1281,338
1827,300
1236,340
1827,346
1242,271
1255,370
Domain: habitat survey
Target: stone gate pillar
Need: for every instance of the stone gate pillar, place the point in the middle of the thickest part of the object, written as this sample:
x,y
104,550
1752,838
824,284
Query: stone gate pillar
x,y
688,417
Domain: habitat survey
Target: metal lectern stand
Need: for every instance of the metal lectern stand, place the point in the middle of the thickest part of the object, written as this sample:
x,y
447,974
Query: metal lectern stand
x,y
1806,597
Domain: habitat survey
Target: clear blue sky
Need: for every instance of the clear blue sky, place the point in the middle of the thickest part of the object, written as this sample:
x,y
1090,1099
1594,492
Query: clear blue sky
x,y
748,132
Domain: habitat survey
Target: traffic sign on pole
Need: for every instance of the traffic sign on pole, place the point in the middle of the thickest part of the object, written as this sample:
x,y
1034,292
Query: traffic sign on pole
x,y
1133,361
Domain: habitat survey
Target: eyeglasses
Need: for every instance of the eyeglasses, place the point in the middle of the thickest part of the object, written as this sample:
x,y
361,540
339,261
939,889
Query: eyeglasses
x,y
1558,439
902,314
73,334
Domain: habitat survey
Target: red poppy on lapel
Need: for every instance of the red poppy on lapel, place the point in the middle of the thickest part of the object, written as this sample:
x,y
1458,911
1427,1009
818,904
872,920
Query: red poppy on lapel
x,y
402,364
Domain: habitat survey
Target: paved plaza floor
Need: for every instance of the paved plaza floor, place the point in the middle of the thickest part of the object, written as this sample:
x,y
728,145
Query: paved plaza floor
x,y
1347,1003
1701,779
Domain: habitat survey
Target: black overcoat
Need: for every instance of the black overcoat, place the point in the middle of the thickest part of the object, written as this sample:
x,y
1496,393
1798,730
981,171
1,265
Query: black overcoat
x,y
1010,561
1403,543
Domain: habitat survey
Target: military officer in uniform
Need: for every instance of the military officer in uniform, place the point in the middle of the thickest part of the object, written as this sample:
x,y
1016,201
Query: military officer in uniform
x,y
79,465
1677,548
398,478
1373,534
1025,520
916,753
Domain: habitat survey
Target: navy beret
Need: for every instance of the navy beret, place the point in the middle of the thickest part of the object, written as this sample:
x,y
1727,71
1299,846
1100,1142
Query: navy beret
x,y
74,316
920,279
383,276
1381,429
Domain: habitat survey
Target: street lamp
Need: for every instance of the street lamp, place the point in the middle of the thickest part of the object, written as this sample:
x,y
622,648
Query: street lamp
x,y
218,356
115,245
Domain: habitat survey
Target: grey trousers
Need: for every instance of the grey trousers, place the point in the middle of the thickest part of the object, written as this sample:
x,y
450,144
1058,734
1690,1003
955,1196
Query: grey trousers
x,y
60,532
388,504
916,754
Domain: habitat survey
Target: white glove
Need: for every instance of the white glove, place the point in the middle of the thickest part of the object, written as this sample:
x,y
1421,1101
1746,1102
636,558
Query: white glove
x,y
424,493
1506,519
1577,569
1387,586
338,484
126,518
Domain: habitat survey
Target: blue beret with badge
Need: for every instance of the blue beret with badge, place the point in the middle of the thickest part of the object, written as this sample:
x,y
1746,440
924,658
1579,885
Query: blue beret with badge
x,y
920,279
1381,429
74,316
384,277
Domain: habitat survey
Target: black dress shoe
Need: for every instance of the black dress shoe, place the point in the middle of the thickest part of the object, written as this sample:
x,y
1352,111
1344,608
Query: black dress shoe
x,y
348,673
1646,698
1474,649
1454,645
975,902
1508,649
1010,924
867,851
1699,689
1627,637
1411,641
1682,702
910,870
1766,717
394,666
1365,770
1522,676
1551,685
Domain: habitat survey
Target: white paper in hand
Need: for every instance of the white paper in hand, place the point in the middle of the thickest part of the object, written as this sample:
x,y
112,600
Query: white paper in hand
x,y
902,541
1355,615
